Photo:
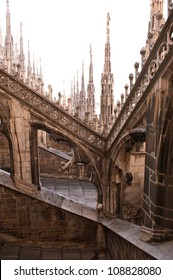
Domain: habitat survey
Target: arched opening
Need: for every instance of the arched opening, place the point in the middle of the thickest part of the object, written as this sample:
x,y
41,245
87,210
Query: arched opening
x,y
127,177
62,166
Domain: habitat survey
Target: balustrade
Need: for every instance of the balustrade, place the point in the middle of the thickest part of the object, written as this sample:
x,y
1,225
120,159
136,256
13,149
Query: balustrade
x,y
149,68
50,111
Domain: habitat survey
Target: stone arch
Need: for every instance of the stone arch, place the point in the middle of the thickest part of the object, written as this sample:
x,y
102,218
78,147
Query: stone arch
x,y
6,137
126,173
80,150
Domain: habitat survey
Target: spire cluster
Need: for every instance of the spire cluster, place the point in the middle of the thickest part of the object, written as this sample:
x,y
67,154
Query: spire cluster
x,y
81,103
12,58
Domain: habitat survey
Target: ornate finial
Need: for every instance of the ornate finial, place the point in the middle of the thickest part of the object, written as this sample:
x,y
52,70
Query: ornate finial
x,y
74,84
108,19
41,73
8,5
21,29
77,84
28,47
82,67
82,82
91,67
21,42
107,64
33,64
108,23
90,51
29,59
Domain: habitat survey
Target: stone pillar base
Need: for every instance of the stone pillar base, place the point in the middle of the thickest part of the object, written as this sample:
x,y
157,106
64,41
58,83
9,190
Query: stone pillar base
x,y
156,235
25,187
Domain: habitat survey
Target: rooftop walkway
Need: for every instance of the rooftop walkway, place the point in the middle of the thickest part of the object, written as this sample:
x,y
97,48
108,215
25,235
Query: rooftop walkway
x,y
82,192
75,196
78,197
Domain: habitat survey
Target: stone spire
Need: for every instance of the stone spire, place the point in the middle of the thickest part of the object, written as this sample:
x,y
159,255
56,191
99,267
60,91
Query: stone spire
x,y
107,64
91,91
156,21
74,99
8,40
77,89
16,55
82,80
34,82
91,67
64,96
82,104
21,55
29,68
107,83
33,67
41,71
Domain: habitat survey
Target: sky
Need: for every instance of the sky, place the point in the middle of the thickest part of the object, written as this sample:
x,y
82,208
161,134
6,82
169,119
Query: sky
x,y
61,31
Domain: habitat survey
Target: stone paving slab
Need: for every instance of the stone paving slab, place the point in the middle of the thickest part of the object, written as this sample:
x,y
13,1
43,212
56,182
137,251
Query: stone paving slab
x,y
8,252
29,253
16,252
71,254
87,255
80,191
50,254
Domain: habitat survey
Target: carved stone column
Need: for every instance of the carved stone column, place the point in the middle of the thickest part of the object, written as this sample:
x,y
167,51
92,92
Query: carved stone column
x,y
158,185
35,170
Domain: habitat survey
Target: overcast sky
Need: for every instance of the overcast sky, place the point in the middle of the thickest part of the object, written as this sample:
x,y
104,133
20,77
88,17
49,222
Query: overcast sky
x,y
61,31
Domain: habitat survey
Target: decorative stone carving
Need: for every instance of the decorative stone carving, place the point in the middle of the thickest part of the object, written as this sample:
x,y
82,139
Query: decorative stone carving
x,y
14,87
145,82
24,94
4,80
83,132
65,121
39,102
132,211
91,138
153,68
35,100
74,127
162,52
55,114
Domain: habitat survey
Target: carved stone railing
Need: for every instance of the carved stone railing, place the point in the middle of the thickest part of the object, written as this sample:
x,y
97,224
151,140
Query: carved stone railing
x,y
159,55
50,111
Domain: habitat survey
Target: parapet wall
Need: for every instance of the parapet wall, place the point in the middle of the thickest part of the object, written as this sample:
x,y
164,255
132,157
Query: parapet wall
x,y
32,221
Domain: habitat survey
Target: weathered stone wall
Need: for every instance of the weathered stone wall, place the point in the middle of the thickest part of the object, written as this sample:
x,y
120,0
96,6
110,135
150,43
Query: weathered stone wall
x,y
34,221
133,194
120,249
51,164
158,184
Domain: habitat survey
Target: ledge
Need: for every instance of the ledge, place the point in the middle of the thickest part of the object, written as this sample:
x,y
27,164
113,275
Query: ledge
x,y
131,233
